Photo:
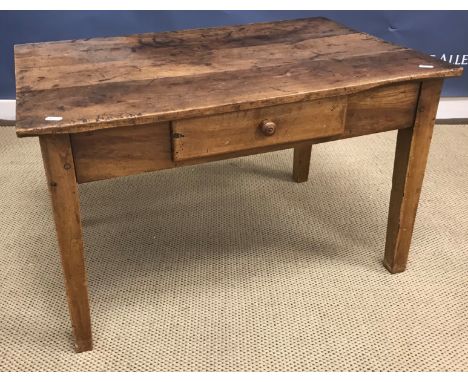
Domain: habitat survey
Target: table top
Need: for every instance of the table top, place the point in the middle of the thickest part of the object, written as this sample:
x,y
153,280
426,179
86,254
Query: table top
x,y
90,84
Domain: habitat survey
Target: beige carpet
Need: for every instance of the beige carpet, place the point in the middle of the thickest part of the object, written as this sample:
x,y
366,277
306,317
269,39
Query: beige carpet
x,y
231,266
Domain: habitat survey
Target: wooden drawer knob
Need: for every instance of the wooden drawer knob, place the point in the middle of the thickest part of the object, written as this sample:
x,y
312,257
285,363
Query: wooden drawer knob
x,y
268,127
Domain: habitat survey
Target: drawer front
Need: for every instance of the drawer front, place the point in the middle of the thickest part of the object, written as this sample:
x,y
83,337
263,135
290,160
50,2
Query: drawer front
x,y
255,128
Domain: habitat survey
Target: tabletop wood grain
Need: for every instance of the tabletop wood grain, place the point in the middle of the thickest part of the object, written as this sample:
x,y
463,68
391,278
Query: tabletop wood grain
x,y
100,83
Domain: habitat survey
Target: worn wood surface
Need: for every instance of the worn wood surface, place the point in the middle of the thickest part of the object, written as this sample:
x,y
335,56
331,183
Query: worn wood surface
x,y
301,162
60,173
118,152
236,131
108,82
381,109
130,150
411,154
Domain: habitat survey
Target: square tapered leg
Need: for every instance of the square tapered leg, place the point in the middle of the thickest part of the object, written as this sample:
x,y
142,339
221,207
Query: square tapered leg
x,y
411,154
301,162
60,172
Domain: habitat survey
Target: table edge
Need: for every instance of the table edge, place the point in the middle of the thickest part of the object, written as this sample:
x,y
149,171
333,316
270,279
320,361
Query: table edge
x,y
78,127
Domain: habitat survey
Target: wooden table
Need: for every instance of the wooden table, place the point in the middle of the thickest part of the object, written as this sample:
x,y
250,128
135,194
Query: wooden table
x,y
109,107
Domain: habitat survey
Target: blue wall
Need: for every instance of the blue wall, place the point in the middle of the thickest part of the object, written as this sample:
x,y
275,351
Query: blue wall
x,y
442,33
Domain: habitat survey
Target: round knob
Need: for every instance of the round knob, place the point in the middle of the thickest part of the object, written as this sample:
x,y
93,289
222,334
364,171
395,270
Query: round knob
x,y
268,127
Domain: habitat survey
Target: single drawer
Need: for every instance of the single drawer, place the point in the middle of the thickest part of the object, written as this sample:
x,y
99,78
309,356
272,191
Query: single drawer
x,y
268,126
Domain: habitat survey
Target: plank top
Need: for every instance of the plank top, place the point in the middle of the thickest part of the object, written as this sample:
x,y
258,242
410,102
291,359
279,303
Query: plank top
x,y
120,81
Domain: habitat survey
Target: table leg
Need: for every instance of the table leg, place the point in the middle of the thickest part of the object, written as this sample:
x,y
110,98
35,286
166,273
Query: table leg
x,y
60,173
301,162
411,154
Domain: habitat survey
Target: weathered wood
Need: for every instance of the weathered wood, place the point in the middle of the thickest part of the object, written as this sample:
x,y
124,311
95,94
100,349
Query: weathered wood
x,y
117,152
60,173
231,132
185,62
385,108
301,162
118,82
411,154
140,46
160,100
131,150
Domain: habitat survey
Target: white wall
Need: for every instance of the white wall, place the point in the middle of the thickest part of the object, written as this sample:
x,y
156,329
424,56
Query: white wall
x,y
7,109
453,108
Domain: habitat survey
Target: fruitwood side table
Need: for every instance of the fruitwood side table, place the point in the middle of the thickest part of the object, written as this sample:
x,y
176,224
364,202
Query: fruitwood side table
x,y
109,107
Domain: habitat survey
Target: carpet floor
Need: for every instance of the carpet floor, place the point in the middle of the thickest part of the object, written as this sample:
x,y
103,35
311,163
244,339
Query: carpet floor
x,y
232,266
